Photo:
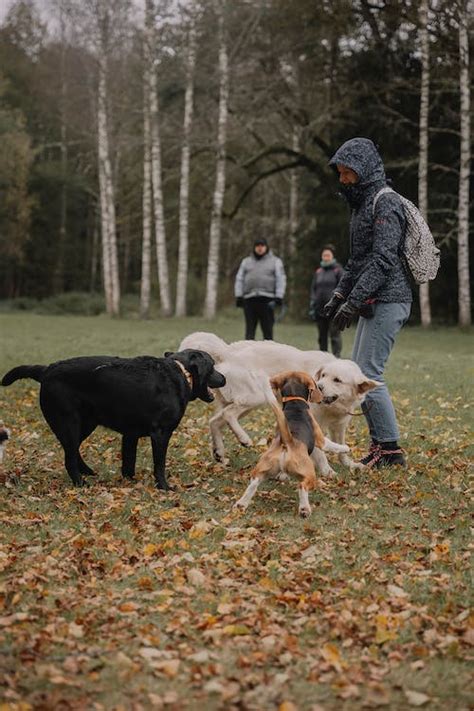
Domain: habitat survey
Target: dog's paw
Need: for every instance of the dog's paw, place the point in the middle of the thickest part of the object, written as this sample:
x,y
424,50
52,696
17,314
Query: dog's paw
x,y
329,473
220,457
305,511
335,447
356,467
247,442
240,505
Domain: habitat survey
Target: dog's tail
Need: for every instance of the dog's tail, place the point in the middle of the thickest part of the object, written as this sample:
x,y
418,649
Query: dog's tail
x,y
285,434
24,371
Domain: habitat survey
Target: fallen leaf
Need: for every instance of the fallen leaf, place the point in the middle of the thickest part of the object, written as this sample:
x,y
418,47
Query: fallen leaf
x,y
416,698
236,630
196,578
169,667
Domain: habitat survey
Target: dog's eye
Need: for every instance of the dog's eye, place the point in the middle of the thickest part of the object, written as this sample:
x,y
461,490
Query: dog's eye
x,y
337,380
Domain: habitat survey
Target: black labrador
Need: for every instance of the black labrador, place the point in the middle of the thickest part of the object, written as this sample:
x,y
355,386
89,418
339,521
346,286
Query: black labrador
x,y
138,397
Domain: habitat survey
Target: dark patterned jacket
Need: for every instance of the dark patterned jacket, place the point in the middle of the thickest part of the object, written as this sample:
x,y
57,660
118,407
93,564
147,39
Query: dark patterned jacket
x,y
375,269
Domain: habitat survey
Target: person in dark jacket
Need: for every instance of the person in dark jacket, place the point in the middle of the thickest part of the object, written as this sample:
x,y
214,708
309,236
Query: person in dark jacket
x,y
260,286
375,286
325,279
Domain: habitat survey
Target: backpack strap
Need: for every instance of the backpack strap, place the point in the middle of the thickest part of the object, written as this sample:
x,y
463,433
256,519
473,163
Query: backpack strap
x,y
381,192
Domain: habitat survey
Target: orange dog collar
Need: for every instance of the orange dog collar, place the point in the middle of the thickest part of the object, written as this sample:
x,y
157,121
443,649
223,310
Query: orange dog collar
x,y
293,397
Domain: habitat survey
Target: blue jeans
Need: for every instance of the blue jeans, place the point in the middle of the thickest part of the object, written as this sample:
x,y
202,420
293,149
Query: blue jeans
x,y
374,340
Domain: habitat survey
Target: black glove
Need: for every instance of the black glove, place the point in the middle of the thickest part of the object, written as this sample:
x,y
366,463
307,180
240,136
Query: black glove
x,y
278,302
239,302
345,315
367,311
332,306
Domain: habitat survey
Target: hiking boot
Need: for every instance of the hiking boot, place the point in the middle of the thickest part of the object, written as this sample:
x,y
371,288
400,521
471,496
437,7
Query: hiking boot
x,y
390,458
369,458
379,458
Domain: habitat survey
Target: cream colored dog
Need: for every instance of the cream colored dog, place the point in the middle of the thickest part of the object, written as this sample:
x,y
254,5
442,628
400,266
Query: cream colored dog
x,y
247,366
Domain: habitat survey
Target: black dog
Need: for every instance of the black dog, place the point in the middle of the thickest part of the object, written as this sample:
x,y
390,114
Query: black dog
x,y
138,397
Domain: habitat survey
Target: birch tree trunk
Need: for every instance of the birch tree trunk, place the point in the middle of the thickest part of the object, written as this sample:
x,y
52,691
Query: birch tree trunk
x,y
107,203
464,295
182,277
58,280
424,291
219,190
160,233
145,286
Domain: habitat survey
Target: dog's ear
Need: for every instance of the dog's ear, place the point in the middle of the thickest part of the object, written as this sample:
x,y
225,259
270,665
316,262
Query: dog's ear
x,y
276,383
366,384
168,354
315,393
318,374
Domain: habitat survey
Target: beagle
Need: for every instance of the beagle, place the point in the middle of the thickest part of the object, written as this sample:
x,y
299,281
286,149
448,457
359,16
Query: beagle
x,y
298,434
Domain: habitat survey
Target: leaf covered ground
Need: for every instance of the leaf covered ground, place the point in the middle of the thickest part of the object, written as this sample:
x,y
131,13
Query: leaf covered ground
x,y
117,596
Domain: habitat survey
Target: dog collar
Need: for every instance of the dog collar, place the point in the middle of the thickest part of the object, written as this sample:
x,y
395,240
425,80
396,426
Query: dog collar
x,y
186,373
287,398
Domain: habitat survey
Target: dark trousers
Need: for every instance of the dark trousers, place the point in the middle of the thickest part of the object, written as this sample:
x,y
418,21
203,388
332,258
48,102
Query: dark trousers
x,y
325,327
258,310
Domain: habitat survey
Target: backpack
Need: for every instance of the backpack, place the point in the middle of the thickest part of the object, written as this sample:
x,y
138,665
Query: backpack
x,y
419,249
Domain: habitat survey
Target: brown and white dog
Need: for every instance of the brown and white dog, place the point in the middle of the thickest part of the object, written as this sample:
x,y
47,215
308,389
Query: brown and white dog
x,y
298,434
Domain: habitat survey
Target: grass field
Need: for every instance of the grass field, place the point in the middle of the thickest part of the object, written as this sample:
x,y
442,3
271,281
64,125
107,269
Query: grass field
x,y
117,596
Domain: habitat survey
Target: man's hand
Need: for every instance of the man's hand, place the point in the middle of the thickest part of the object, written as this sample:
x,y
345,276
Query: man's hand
x,y
332,305
278,302
345,315
239,302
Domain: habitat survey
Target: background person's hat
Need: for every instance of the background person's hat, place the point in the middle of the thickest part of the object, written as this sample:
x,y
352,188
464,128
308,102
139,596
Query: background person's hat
x,y
260,240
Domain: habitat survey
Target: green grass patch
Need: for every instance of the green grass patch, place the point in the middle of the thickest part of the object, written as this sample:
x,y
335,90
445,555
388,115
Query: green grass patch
x,y
120,596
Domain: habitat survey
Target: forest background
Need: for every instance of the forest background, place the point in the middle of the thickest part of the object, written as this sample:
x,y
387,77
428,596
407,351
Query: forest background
x,y
146,144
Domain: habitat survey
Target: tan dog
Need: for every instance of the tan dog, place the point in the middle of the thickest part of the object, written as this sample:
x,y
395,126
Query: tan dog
x,y
298,434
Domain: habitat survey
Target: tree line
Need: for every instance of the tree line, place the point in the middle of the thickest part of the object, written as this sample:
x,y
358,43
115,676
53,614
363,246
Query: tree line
x,y
145,145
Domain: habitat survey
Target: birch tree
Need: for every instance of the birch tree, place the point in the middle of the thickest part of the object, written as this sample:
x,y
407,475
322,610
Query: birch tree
x,y
424,291
158,208
145,285
219,189
58,280
182,276
464,295
107,199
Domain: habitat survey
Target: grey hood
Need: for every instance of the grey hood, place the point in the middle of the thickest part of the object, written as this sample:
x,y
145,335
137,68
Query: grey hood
x,y
361,156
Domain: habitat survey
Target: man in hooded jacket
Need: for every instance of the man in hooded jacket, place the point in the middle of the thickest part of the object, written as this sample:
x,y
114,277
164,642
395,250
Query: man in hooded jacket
x,y
375,286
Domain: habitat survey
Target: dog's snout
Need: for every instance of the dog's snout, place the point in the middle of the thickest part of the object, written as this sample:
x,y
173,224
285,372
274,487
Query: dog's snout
x,y
320,385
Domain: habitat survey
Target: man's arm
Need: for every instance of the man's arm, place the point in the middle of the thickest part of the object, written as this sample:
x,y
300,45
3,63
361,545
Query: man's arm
x,y
389,228
239,280
280,279
346,280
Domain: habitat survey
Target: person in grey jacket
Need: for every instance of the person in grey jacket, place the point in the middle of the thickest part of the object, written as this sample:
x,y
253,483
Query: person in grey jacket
x,y
375,286
260,285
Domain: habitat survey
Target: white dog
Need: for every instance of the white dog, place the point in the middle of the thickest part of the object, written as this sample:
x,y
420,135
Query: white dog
x,y
245,364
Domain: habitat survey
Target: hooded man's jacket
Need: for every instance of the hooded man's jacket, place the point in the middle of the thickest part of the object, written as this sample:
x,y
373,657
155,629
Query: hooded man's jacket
x,y
376,269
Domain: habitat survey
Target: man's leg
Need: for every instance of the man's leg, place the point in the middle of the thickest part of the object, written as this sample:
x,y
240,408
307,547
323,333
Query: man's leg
x,y
323,327
374,341
267,319
251,319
